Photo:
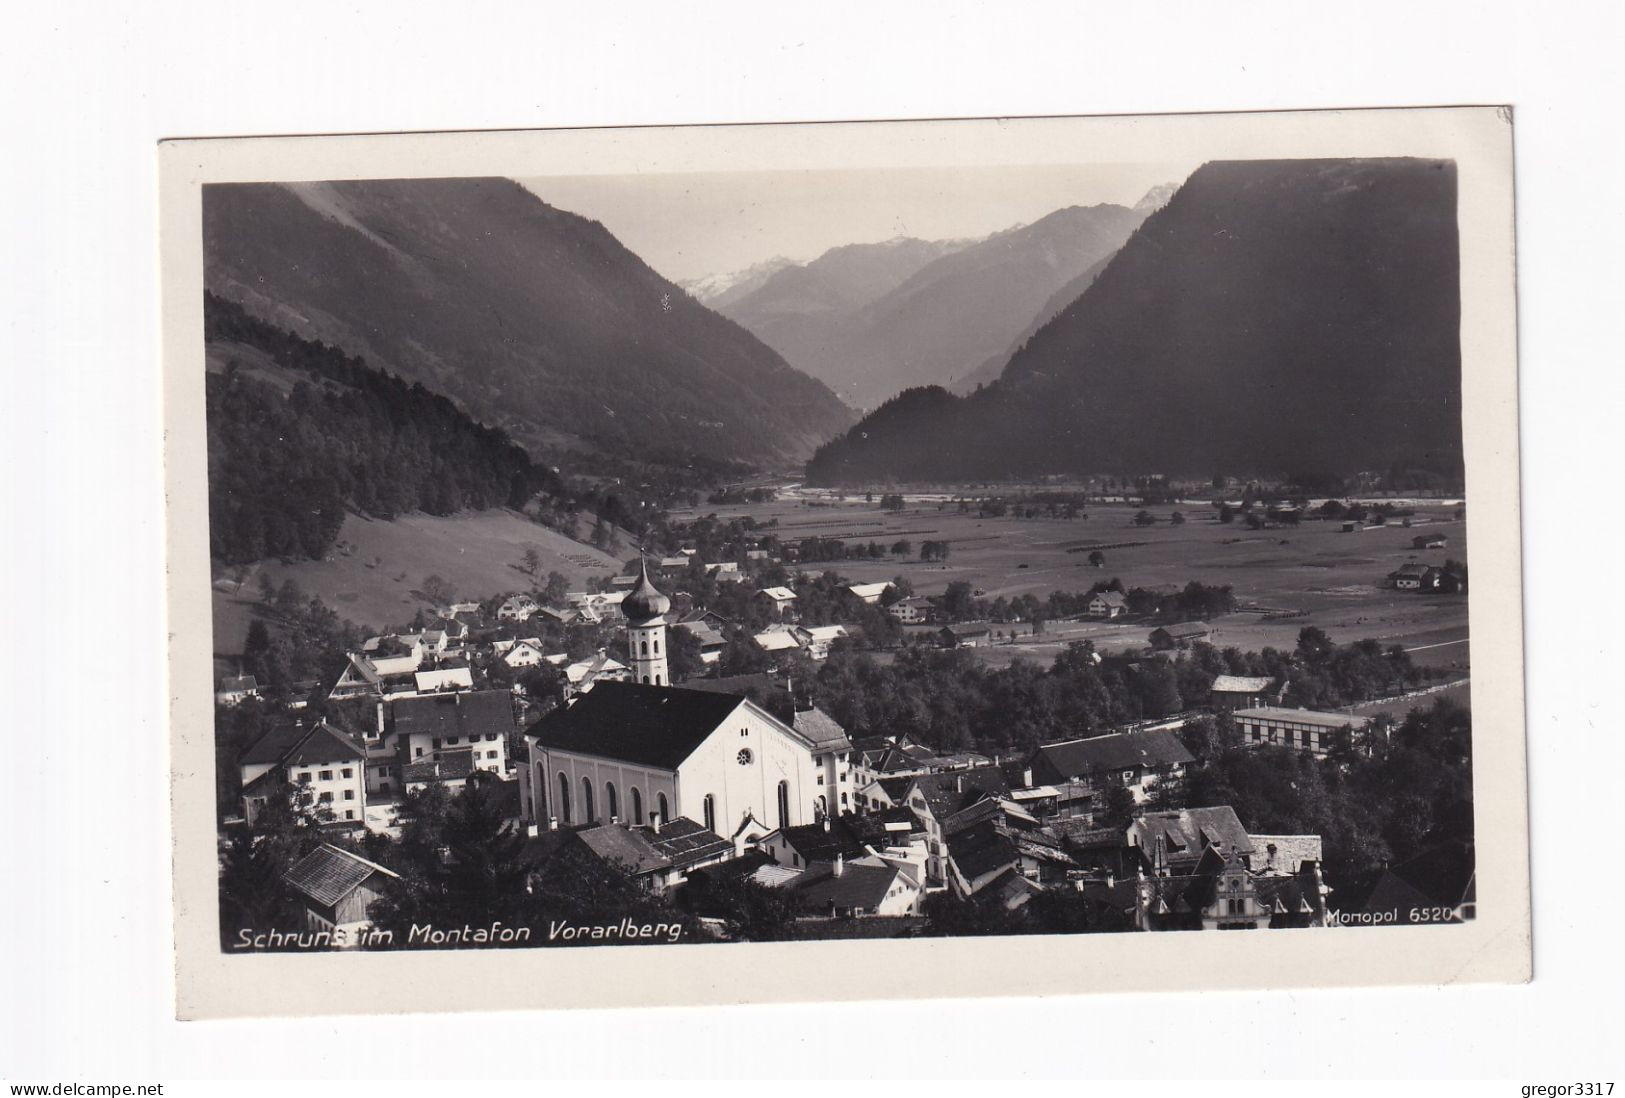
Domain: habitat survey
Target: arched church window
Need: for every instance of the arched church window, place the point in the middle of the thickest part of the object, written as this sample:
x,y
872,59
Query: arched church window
x,y
589,813
637,807
710,812
612,802
657,646
645,648
784,804
657,679
564,798
660,806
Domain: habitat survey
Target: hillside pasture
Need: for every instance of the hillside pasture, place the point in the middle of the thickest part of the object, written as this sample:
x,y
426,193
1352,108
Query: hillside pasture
x,y
374,576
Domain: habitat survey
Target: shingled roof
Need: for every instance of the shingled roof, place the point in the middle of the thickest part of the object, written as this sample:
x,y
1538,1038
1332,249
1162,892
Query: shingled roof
x,y
656,726
684,842
1119,751
948,793
328,874
464,714
301,745
821,728
1190,832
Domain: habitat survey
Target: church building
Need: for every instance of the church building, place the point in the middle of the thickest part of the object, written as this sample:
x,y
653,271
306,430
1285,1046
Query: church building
x,y
644,751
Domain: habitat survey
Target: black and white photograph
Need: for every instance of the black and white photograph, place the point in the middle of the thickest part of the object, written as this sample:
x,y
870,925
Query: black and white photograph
x,y
986,549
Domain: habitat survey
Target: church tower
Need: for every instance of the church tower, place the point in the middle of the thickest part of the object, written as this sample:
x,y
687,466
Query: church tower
x,y
645,609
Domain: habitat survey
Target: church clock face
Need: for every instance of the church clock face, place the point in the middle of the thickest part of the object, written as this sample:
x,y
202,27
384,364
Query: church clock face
x,y
744,756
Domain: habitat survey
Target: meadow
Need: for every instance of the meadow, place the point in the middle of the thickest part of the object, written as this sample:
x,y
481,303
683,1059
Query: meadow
x,y
1315,571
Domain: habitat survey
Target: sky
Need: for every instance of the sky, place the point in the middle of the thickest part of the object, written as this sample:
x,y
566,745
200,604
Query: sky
x,y
689,225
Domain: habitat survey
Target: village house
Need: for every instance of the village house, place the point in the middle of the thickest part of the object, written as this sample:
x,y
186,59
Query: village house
x,y
799,847
335,887
443,680
524,653
868,593
582,675
711,642
449,770
782,599
821,637
382,677
913,610
1300,729
974,634
323,766
1416,576
438,727
865,887
933,798
1108,604
1242,691
782,639
1144,762
1429,541
236,689
1168,637
519,607
723,570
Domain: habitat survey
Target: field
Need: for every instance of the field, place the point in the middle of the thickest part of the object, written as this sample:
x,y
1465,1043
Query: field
x,y
374,575
1326,577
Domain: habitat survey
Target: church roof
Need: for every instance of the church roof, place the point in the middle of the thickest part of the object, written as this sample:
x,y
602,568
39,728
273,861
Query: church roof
x,y
656,726
645,603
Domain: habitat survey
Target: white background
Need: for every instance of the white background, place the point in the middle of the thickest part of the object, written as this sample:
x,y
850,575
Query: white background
x,y
85,986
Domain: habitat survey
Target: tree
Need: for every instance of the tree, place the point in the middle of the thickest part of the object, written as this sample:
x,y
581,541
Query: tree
x,y
683,655
531,563
1177,519
555,589
1118,811
902,547
1227,514
1145,518
1097,559
892,501
438,591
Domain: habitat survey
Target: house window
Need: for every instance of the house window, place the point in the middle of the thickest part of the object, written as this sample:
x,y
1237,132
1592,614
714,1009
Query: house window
x,y
452,741
820,779
349,794
305,776
435,742
348,772
326,798
419,754
349,813
490,754
327,775
490,735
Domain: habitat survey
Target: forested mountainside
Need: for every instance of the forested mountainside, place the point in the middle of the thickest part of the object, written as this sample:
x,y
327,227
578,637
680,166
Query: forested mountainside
x,y
532,318
300,432
1296,316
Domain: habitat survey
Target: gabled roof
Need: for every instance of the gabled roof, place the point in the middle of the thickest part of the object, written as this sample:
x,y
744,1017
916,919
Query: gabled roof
x,y
328,874
1111,598
1116,751
684,842
1242,684
651,725
1185,629
779,594
820,842
1291,851
471,713
948,793
451,766
302,745
821,728
858,885
1303,716
980,850
968,628
867,590
234,683
1189,832
625,847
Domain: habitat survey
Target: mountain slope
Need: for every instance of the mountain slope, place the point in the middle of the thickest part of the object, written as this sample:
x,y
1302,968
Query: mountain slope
x,y
1275,316
937,323
535,319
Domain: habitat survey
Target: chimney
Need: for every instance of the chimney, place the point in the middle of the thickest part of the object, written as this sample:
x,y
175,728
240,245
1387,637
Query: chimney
x,y
826,824
654,822
840,865
1159,853
1269,863
1026,777
959,783
614,819
552,823
532,830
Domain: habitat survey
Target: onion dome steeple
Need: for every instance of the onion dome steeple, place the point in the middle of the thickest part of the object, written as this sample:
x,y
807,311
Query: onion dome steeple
x,y
645,603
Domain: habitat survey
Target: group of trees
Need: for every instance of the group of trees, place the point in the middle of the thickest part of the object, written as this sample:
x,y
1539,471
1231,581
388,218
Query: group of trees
x,y
1383,801
285,466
